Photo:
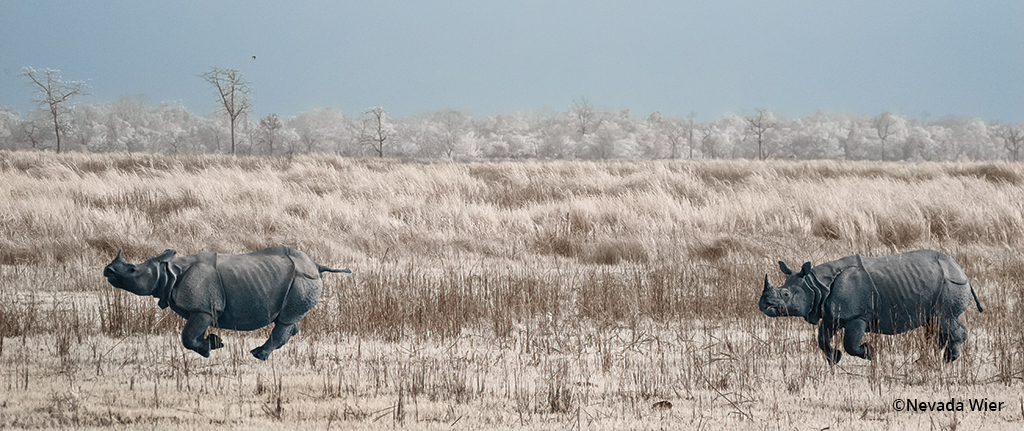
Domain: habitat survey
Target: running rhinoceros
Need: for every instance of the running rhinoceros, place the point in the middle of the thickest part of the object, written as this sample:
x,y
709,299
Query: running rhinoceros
x,y
231,291
883,295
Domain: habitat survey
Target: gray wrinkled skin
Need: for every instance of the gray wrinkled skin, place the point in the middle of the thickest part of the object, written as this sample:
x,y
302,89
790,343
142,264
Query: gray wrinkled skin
x,y
883,295
231,291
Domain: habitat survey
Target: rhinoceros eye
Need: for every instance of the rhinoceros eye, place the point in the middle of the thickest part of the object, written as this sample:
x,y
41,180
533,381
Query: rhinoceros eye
x,y
785,294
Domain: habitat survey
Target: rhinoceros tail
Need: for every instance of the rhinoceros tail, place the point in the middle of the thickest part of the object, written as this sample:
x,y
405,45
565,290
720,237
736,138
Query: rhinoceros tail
x,y
322,269
975,295
955,274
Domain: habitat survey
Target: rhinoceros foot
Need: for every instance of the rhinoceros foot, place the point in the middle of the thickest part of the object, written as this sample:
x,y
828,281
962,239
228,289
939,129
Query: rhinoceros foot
x,y
260,353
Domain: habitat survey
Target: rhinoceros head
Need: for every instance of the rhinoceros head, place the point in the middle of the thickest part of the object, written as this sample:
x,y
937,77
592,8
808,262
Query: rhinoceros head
x,y
139,279
793,298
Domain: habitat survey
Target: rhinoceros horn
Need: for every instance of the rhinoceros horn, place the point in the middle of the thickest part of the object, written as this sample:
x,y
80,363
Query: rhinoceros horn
x,y
118,257
767,287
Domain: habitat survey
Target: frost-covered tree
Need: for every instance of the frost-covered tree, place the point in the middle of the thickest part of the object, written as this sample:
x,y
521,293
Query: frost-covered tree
x,y
87,131
689,132
132,124
441,134
582,114
919,145
675,131
232,95
212,134
375,129
10,122
552,133
975,140
138,125
1013,140
52,94
891,130
855,143
452,129
758,124
708,140
176,130
650,137
270,132
324,129
33,129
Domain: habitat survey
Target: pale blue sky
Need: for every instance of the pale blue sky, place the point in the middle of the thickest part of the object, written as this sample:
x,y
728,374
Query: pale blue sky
x,y
488,57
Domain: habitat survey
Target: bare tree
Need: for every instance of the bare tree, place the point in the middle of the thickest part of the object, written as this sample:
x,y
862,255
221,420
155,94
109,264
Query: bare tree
x,y
309,137
689,130
453,123
675,134
582,114
758,124
269,128
649,140
317,128
53,93
375,129
707,141
30,130
1013,139
884,125
9,122
232,94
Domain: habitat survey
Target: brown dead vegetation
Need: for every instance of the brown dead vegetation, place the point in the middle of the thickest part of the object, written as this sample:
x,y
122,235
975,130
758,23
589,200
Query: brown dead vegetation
x,y
500,295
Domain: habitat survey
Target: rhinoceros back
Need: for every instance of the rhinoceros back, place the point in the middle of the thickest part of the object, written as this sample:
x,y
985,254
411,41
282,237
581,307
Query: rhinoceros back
x,y
906,276
909,288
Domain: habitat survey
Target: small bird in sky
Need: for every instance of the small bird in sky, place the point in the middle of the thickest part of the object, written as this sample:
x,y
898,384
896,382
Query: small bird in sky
x,y
254,57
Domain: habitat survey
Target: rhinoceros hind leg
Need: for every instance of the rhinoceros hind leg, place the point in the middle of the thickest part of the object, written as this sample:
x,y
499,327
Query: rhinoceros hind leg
x,y
278,337
951,336
193,335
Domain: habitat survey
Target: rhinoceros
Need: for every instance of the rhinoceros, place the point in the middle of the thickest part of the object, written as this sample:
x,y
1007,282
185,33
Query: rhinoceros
x,y
884,295
243,292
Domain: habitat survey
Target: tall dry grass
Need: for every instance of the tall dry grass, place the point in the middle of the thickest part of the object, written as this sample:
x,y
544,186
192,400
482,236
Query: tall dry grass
x,y
581,288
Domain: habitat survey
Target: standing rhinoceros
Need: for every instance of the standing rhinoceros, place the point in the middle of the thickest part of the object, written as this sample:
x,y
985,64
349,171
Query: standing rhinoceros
x,y
883,295
231,291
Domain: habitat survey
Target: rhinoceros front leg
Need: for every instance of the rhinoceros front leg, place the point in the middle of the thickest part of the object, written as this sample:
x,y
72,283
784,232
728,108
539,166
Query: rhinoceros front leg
x,y
280,335
193,336
825,332
852,334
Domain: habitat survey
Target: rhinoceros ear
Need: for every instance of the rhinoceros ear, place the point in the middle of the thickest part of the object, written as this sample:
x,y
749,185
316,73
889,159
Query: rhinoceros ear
x,y
785,268
166,256
806,269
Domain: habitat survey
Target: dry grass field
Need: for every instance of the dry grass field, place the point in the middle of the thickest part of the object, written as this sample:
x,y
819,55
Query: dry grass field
x,y
526,295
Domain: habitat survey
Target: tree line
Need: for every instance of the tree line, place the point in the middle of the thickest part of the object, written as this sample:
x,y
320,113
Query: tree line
x,y
581,131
